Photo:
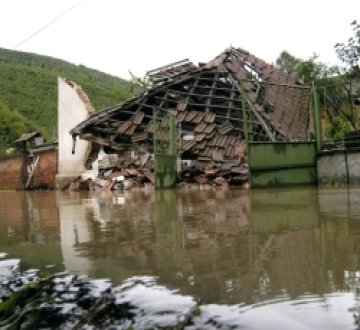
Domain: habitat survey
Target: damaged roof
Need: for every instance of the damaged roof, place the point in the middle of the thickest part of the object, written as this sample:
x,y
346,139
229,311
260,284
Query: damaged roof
x,y
207,101
27,136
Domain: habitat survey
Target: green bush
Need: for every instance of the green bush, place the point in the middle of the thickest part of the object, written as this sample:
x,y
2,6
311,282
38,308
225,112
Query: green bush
x,y
339,128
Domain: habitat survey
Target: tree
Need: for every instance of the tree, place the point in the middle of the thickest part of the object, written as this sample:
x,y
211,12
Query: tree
x,y
287,62
309,70
349,53
340,126
330,86
143,83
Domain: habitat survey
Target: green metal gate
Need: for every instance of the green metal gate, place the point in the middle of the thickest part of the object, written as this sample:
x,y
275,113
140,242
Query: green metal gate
x,y
282,163
276,163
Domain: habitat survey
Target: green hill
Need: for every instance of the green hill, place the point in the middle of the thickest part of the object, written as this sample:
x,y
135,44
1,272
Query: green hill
x,y
12,125
28,89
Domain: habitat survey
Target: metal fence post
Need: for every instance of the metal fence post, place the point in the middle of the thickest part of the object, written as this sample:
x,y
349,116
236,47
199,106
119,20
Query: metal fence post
x,y
244,115
245,126
317,119
165,149
173,136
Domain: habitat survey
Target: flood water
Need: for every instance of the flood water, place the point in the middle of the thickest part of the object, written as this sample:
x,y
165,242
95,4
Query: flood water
x,y
254,259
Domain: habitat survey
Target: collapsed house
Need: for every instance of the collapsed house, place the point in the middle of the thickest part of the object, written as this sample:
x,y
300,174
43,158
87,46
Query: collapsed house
x,y
217,105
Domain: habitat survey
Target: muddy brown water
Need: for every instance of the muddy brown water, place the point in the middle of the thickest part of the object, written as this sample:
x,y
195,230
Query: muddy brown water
x,y
255,259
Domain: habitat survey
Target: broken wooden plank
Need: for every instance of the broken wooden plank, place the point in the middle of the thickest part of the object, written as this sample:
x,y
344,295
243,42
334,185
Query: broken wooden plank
x,y
198,118
139,136
187,145
32,172
144,158
149,175
190,115
102,141
124,126
199,128
199,137
218,155
209,128
150,126
130,130
182,104
200,179
138,117
209,117
239,170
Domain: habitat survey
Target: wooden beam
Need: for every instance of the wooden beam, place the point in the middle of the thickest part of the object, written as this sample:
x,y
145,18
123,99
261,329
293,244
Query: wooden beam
x,y
32,172
257,115
102,141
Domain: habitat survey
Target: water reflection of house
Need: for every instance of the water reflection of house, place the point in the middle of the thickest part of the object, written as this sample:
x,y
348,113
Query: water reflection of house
x,y
75,229
244,245
225,240
29,228
196,241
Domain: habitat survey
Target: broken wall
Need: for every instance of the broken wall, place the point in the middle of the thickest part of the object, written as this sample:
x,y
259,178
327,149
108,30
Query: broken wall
x,y
10,171
73,108
44,176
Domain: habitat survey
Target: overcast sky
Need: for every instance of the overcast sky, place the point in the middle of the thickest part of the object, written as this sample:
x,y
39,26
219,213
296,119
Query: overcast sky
x,y
116,36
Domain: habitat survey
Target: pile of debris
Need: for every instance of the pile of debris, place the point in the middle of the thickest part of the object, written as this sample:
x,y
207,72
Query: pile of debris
x,y
214,174
217,172
117,173
127,172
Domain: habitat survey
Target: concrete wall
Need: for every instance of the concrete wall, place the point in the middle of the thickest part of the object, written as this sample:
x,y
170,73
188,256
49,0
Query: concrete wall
x,y
339,167
10,171
353,164
71,111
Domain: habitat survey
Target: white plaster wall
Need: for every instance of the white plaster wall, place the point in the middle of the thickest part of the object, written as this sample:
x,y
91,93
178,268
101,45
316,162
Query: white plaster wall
x,y
71,111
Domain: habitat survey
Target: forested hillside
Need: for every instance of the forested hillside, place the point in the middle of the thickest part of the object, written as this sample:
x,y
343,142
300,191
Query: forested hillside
x,y
12,125
28,90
